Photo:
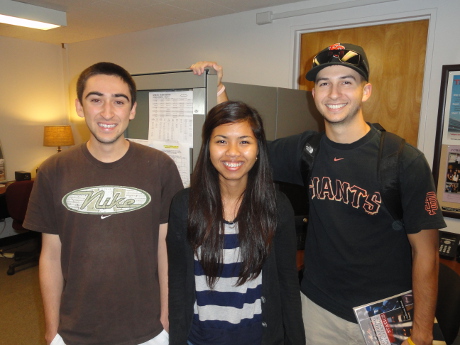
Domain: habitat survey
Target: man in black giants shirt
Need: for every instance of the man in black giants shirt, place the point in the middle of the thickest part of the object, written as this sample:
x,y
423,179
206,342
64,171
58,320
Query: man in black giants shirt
x,y
355,254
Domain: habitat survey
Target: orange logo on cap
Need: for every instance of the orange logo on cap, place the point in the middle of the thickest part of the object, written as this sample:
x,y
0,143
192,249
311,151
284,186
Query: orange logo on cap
x,y
336,46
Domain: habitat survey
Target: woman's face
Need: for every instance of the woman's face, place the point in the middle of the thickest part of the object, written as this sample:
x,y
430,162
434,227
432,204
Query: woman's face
x,y
233,151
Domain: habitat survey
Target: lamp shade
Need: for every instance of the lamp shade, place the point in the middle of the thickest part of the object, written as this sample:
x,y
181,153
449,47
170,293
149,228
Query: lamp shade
x,y
58,136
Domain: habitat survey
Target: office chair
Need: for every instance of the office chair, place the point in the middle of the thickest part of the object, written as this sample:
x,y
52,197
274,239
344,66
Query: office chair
x,y
17,197
448,307
3,209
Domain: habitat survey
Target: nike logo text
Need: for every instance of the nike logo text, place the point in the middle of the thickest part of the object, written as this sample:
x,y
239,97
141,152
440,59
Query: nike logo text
x,y
106,200
337,159
105,216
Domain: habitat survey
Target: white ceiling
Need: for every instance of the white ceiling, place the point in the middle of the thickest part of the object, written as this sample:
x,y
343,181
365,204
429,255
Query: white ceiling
x,y
90,19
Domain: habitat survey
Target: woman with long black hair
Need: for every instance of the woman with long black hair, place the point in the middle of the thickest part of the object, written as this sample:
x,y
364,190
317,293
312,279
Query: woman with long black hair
x,y
232,244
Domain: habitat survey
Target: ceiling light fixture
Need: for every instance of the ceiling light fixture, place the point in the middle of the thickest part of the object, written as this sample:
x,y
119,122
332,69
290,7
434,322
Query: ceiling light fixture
x,y
268,17
30,16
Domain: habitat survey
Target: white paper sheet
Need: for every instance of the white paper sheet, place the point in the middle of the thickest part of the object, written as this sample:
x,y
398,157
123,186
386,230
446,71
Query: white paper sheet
x,y
180,153
171,116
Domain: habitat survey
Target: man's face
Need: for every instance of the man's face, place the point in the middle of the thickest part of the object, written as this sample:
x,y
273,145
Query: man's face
x,y
339,93
106,107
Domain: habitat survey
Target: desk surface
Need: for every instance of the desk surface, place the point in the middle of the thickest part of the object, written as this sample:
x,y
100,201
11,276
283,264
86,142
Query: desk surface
x,y
3,185
453,264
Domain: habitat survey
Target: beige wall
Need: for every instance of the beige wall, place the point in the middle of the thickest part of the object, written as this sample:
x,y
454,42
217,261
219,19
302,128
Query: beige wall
x,y
250,53
31,96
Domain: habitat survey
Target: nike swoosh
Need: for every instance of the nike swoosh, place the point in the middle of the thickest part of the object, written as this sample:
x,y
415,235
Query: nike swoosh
x,y
337,159
105,216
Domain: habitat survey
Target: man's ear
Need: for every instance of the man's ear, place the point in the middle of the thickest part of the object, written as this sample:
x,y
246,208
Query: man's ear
x,y
367,92
132,113
79,108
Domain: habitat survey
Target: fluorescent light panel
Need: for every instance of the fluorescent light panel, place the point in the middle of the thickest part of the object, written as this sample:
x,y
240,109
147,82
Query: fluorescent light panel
x,y
26,22
268,17
21,14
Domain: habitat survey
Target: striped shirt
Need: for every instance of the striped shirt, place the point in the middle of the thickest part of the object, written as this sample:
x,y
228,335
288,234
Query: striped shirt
x,y
227,314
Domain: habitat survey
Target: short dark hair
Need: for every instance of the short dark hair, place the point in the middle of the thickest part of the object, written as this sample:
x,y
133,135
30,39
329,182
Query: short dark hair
x,y
106,68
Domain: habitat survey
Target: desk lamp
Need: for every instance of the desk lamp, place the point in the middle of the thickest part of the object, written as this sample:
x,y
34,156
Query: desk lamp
x,y
58,136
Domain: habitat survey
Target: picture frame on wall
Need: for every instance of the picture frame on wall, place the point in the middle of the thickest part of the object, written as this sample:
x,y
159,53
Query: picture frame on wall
x,y
446,163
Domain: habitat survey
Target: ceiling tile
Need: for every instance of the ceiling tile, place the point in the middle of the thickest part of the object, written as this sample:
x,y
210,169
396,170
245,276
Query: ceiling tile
x,y
90,19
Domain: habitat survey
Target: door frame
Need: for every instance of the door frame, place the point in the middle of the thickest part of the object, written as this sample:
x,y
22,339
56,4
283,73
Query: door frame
x,y
428,14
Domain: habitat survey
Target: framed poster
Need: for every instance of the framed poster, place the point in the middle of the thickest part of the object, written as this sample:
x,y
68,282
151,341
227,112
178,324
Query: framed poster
x,y
446,164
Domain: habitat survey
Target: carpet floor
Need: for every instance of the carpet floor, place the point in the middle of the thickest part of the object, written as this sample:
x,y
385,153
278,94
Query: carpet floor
x,y
21,309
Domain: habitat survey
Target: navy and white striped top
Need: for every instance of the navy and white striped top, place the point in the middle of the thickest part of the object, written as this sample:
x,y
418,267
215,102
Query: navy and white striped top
x,y
227,314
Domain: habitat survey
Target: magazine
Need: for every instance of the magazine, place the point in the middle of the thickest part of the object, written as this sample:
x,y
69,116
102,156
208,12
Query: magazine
x,y
2,165
389,321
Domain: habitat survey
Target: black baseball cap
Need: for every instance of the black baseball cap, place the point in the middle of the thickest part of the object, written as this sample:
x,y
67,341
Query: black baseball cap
x,y
344,54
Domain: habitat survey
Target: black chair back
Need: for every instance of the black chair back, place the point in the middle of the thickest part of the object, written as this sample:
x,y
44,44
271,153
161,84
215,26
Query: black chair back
x,y
448,306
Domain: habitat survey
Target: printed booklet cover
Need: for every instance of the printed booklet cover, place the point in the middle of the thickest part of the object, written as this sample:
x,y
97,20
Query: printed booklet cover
x,y
389,321
2,165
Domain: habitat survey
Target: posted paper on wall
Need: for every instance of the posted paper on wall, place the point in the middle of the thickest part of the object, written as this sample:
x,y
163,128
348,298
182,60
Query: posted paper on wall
x,y
180,154
171,127
453,108
452,178
171,116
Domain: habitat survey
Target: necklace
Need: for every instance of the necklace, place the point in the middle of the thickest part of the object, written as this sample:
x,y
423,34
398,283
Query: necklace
x,y
231,209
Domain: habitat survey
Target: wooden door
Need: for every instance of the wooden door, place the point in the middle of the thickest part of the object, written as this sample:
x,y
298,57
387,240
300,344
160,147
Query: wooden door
x,y
396,54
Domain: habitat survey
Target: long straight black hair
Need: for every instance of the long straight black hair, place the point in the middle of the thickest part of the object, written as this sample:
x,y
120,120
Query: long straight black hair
x,y
256,216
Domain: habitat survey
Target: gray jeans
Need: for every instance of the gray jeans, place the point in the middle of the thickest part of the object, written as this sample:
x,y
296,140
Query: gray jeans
x,y
324,328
